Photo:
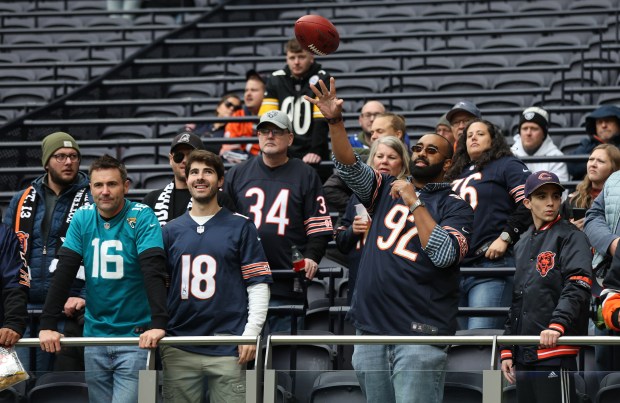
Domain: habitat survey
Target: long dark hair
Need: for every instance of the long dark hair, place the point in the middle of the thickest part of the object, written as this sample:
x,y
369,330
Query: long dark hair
x,y
499,148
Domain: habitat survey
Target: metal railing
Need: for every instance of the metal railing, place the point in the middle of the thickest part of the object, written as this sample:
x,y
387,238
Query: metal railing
x,y
261,381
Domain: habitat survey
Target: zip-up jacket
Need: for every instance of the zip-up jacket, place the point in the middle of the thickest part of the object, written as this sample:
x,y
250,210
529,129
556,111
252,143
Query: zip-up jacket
x,y
43,251
551,289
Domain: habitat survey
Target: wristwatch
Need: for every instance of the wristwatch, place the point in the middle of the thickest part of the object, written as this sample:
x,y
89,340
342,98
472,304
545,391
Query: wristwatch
x,y
418,203
504,236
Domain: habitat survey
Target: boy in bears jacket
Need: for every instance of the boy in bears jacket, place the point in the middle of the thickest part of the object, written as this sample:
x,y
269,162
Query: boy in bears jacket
x,y
550,298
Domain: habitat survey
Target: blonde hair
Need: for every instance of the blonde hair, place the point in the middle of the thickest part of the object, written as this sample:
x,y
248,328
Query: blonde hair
x,y
395,144
582,197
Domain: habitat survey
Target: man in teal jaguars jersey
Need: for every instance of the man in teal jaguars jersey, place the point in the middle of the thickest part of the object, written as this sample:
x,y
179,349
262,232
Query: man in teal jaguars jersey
x,y
120,243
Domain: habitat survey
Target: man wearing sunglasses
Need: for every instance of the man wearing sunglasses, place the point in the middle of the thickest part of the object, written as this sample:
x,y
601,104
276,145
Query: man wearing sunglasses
x,y
40,216
174,199
285,199
408,278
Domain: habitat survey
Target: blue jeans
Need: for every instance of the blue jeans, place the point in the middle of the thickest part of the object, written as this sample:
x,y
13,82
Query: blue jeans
x,y
112,373
486,292
399,373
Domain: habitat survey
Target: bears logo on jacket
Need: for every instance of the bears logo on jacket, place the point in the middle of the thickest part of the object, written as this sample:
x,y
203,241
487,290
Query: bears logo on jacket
x,y
545,262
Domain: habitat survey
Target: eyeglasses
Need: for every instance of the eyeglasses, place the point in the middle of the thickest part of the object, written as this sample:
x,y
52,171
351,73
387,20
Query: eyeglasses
x,y
179,156
460,122
229,105
430,150
369,115
63,157
274,132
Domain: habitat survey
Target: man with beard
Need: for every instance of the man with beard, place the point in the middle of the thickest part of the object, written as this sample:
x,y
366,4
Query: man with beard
x,y
120,243
408,277
40,216
215,259
174,199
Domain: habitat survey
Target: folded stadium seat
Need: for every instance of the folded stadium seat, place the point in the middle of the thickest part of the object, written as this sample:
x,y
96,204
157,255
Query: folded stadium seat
x,y
154,19
9,58
452,44
472,82
160,111
167,130
59,22
394,12
359,86
591,78
90,154
304,363
473,25
397,105
336,66
7,115
464,368
426,26
429,63
17,74
26,94
56,387
250,50
609,97
582,21
409,84
354,47
484,61
270,32
374,28
337,387
235,87
491,8
543,5
27,39
376,65
126,132
441,105
409,45
18,23
505,42
558,39
86,5
539,59
350,12
69,74
293,15
520,23
105,21
217,69
144,155
155,180
76,37
193,90
520,81
36,55
97,55
267,68
48,5
592,5
443,10
12,7
503,102
422,125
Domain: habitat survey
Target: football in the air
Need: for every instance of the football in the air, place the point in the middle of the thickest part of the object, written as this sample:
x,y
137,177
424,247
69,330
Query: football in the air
x,y
317,34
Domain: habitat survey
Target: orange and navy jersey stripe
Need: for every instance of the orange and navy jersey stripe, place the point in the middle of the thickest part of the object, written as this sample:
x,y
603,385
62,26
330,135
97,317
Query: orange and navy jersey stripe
x,y
255,270
319,225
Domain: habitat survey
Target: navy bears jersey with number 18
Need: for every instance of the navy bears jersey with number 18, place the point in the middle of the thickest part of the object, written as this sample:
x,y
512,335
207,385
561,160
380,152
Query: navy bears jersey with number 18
x,y
210,268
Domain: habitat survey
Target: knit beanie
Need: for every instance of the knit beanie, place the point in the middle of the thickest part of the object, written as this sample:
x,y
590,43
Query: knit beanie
x,y
443,121
536,115
53,142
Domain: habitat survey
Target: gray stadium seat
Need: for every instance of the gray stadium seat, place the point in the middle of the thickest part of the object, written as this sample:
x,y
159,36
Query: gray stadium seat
x,y
162,111
126,132
473,82
483,61
193,90
544,5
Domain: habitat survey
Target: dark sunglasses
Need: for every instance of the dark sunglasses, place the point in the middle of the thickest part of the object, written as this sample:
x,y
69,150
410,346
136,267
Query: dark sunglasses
x,y
229,104
430,150
178,157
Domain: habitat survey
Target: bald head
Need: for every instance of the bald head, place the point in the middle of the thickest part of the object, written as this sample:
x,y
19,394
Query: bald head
x,y
368,113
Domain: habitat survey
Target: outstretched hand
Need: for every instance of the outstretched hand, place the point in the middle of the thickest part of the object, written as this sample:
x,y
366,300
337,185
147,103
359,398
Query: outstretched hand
x,y
326,100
